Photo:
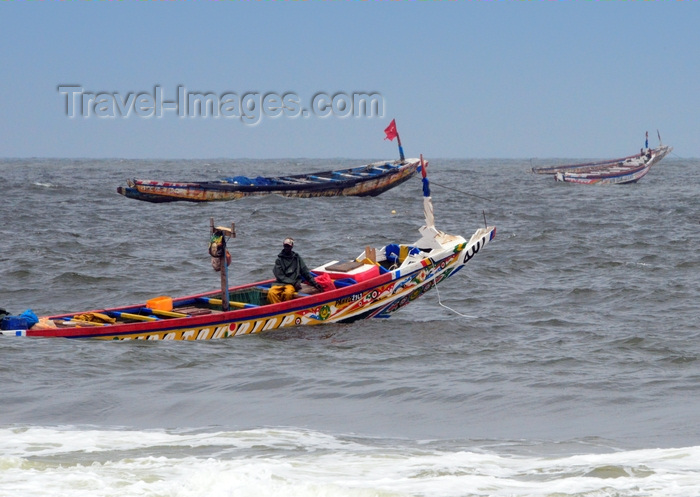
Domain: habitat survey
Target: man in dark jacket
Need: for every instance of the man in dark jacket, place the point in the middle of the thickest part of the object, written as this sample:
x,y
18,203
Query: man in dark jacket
x,y
289,271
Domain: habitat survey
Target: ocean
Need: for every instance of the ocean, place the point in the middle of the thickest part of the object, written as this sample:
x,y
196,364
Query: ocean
x,y
561,362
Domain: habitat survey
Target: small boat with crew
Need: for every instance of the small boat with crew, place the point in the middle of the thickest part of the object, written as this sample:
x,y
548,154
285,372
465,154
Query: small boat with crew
x,y
377,283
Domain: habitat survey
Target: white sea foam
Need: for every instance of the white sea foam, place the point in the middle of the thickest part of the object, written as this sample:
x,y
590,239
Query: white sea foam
x,y
56,462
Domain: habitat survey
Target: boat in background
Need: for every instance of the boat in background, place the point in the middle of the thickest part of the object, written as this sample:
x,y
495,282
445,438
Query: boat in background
x,y
583,166
623,170
368,180
628,171
376,284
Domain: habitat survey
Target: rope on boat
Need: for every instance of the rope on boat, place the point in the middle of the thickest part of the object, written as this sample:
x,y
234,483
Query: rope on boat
x,y
458,191
449,308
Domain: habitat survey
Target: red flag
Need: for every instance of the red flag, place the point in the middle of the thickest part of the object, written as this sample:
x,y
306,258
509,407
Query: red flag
x,y
390,131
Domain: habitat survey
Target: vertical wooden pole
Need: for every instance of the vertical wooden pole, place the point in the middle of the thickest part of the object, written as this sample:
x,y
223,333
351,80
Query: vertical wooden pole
x,y
224,267
224,275
223,262
398,138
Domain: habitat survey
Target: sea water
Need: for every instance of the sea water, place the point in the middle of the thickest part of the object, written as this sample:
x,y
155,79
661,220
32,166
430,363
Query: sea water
x,y
562,361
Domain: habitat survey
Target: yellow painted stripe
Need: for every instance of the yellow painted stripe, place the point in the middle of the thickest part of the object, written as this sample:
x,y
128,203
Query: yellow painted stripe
x,y
231,303
136,317
169,314
240,305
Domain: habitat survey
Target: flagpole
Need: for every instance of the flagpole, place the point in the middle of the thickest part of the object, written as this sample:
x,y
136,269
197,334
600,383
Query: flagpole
x,y
391,133
427,199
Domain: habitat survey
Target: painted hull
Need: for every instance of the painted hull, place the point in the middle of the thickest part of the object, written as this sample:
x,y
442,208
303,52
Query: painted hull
x,y
583,166
196,317
619,178
605,165
628,171
370,180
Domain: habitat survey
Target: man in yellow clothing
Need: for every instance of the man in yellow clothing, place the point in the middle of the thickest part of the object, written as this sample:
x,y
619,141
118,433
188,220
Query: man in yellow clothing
x,y
289,270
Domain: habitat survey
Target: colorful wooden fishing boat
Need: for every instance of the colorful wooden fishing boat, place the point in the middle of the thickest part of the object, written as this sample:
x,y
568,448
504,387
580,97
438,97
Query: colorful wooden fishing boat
x,y
628,171
583,166
375,285
368,180
611,171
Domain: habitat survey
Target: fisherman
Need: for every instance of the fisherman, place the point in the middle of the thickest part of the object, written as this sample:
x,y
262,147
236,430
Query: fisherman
x,y
289,271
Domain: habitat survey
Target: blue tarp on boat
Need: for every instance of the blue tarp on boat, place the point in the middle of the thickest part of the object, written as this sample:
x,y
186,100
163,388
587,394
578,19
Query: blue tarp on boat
x,y
246,181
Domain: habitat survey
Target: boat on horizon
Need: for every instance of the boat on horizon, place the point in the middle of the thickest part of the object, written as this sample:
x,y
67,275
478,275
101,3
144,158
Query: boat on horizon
x,y
629,171
379,282
622,170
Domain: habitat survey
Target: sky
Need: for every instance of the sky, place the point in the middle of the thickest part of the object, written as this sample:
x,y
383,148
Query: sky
x,y
462,78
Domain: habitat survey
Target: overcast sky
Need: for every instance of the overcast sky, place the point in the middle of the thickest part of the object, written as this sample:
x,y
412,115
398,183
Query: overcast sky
x,y
463,79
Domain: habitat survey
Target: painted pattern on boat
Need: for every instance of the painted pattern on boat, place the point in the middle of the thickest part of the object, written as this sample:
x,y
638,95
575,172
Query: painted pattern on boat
x,y
377,297
373,301
347,182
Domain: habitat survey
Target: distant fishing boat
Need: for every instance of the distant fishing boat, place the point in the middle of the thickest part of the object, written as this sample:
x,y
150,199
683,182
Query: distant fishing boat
x,y
367,180
623,170
377,283
363,181
629,171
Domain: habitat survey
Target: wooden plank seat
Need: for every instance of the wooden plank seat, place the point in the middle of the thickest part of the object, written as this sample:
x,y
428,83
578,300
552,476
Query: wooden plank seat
x,y
193,310
344,267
